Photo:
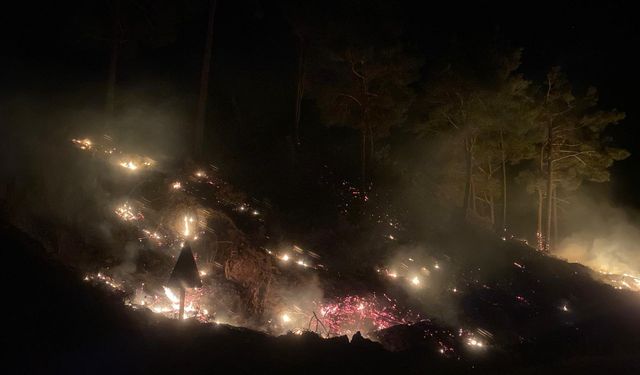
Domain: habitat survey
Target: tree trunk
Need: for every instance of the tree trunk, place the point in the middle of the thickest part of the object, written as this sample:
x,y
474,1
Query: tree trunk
x,y
469,173
300,89
182,298
504,184
371,143
492,212
113,62
204,84
539,237
364,158
474,206
555,215
548,244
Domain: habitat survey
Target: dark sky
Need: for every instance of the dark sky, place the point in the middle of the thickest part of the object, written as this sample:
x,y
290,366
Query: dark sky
x,y
49,46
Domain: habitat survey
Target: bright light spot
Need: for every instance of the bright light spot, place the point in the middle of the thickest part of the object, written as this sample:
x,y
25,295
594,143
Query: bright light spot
x,y
187,230
203,273
170,295
285,318
176,185
129,165
436,266
200,174
415,280
565,308
475,343
84,144
285,257
255,213
126,213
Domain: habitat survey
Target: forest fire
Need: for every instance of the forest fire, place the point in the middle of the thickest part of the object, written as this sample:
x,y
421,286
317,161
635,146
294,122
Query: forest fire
x,y
127,213
351,313
326,187
621,281
337,316
83,144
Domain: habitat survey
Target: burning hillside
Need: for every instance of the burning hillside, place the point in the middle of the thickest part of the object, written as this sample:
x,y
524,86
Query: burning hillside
x,y
252,281
500,306
275,288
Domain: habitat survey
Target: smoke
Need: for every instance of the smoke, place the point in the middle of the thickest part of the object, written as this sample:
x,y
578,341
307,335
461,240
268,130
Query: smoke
x,y
46,188
427,279
602,236
292,302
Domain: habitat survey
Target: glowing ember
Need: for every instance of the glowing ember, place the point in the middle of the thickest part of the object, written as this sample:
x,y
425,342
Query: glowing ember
x,y
176,185
187,229
83,144
186,232
104,279
621,281
170,295
415,281
126,213
354,313
475,343
129,165
153,236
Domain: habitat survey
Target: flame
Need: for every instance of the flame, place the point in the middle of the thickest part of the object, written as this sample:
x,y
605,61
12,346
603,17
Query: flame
x,y
129,165
415,281
83,144
170,295
126,213
186,232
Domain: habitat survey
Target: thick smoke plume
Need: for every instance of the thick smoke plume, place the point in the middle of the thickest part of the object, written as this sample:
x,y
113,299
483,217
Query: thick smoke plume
x,y
602,236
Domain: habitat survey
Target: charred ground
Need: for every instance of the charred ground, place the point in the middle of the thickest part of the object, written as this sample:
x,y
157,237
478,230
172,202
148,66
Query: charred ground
x,y
65,325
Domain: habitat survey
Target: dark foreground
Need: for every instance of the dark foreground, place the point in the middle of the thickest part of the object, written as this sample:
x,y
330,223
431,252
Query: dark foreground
x,y
57,324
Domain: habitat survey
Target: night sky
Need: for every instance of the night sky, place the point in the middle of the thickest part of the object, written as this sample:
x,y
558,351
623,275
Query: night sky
x,y
50,46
